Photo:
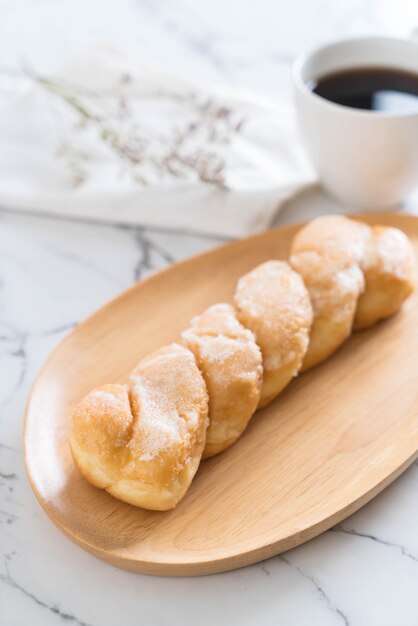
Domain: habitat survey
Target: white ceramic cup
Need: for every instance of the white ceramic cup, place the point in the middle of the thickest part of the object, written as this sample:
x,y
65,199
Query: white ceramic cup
x,y
368,159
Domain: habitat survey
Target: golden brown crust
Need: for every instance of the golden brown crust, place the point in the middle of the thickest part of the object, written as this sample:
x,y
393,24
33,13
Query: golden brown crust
x,y
231,364
273,302
143,442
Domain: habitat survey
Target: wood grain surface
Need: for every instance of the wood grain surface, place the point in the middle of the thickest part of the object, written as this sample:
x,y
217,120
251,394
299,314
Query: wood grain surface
x,y
334,439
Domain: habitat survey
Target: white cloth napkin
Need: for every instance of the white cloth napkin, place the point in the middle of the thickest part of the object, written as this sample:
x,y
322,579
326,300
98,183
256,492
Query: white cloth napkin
x,y
265,162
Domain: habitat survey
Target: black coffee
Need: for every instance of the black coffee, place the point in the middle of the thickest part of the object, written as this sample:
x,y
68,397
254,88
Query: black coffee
x,y
373,89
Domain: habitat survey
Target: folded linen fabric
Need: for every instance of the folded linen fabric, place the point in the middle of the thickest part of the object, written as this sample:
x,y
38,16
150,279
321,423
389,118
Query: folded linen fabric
x,y
112,139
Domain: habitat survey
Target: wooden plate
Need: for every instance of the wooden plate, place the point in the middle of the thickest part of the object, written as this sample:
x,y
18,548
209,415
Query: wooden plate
x,y
334,439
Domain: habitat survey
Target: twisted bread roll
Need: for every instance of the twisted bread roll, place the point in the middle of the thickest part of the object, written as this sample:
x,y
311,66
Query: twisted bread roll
x,y
231,364
272,301
143,442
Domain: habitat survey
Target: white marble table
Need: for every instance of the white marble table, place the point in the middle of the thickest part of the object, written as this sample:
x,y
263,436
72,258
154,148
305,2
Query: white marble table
x,y
53,273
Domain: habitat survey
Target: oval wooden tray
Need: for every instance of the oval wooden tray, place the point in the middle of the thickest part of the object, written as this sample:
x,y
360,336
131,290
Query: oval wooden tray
x,y
334,439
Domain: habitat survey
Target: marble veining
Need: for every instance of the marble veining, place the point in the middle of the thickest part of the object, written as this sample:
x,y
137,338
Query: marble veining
x,y
324,597
55,272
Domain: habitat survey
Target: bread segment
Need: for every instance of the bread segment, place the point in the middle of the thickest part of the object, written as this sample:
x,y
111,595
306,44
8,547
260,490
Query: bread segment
x,y
356,275
143,442
231,364
273,303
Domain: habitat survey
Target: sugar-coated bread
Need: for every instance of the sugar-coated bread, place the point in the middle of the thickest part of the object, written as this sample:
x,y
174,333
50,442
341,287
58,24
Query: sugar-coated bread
x,y
327,253
231,364
389,272
273,303
143,442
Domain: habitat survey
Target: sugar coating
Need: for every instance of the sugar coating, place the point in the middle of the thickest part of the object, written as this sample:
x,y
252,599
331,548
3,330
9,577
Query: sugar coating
x,y
390,253
328,253
338,240
217,337
231,363
170,397
273,302
108,399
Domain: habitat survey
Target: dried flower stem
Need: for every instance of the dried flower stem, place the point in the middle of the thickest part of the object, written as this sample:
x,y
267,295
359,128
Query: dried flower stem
x,y
107,134
193,150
